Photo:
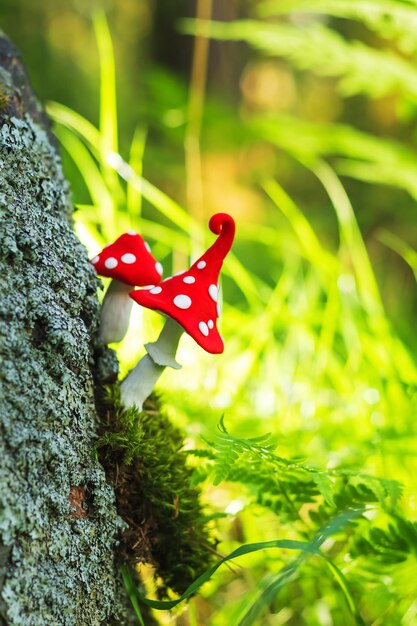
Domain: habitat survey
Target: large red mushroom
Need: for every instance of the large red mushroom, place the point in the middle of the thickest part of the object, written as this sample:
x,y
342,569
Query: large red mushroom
x,y
129,262
190,301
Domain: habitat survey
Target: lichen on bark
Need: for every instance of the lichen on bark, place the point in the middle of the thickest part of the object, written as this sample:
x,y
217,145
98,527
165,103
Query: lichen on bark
x,y
58,521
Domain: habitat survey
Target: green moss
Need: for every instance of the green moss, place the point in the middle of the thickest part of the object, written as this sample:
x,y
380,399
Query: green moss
x,y
145,461
59,565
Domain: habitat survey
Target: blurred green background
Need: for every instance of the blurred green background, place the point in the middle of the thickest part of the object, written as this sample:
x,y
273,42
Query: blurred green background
x,y
298,118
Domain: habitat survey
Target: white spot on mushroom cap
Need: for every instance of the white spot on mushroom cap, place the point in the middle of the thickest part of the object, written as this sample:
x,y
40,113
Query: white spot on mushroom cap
x,y
131,232
128,258
201,265
214,292
95,260
111,263
148,287
210,324
182,301
147,246
219,309
189,280
159,268
203,329
155,290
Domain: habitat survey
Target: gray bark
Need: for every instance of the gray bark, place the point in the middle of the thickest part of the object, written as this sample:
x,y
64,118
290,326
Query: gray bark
x,y
58,522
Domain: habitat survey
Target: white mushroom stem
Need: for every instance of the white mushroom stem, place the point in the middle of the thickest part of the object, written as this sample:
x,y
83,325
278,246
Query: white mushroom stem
x,y
115,312
140,381
163,350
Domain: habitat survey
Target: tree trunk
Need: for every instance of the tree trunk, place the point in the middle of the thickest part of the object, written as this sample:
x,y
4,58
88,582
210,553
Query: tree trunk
x,y
58,521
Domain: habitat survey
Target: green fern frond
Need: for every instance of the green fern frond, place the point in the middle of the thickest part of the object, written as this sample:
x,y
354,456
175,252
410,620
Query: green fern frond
x,y
357,67
355,154
389,18
393,544
285,486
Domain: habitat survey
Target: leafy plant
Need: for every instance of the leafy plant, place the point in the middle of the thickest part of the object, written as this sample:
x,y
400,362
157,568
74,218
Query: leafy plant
x,y
285,486
338,502
312,355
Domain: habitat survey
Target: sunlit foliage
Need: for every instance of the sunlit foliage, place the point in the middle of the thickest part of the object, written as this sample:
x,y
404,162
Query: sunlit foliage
x,y
315,158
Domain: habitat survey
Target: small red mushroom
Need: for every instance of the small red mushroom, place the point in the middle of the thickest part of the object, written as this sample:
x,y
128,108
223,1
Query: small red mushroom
x,y
190,301
129,262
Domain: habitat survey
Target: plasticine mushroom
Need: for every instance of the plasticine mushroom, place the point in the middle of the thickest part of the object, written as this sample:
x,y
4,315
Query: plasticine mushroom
x,y
190,302
129,262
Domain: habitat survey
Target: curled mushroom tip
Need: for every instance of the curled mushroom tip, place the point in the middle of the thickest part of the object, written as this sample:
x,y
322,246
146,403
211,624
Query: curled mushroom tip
x,y
220,222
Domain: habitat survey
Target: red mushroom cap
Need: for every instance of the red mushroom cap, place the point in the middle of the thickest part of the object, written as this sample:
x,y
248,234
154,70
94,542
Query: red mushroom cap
x,y
190,297
129,260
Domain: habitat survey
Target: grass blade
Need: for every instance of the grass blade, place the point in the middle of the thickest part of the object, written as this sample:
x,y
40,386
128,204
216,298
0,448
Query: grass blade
x,y
75,122
108,105
306,548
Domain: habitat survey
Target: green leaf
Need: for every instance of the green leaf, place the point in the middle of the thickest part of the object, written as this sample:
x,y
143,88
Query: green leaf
x,y
357,67
306,548
389,18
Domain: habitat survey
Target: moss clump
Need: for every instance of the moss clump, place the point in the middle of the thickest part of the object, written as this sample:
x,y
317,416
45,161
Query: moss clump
x,y
143,455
